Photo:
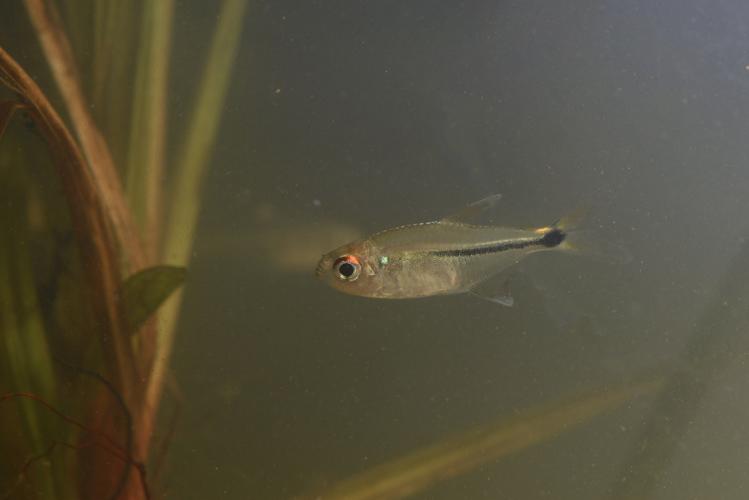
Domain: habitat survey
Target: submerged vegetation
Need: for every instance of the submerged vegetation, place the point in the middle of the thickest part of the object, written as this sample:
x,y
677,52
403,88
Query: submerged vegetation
x,y
467,451
100,190
84,260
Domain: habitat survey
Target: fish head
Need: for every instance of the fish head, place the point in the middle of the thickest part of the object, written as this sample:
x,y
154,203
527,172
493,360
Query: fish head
x,y
351,269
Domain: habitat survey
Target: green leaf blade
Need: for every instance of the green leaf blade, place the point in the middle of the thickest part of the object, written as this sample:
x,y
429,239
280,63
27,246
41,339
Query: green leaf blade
x,y
144,292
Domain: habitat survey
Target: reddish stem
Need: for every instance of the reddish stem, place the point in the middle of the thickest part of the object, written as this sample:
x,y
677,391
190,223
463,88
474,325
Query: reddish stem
x,y
105,442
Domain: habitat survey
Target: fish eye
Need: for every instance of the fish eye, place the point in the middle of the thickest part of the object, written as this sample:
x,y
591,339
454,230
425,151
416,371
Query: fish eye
x,y
347,267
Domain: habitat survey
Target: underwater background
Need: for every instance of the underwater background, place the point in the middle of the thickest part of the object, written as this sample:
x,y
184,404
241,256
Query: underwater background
x,y
345,118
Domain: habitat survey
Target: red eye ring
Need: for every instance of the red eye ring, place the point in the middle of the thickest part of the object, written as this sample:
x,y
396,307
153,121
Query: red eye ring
x,y
347,267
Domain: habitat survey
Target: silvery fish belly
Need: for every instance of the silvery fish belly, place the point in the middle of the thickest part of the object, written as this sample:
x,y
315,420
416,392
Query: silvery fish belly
x,y
434,258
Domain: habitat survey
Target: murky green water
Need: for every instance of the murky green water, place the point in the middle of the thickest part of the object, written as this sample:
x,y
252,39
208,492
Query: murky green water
x,y
344,118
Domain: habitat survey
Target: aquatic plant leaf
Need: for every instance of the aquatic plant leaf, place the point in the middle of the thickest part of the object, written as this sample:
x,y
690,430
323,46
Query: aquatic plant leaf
x,y
87,207
462,453
191,168
24,349
146,290
148,127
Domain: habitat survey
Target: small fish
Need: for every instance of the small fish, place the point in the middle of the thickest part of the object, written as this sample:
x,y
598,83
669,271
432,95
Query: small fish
x,y
447,256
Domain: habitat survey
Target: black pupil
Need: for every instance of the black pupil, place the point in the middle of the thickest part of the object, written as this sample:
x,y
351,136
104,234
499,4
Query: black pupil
x,y
346,269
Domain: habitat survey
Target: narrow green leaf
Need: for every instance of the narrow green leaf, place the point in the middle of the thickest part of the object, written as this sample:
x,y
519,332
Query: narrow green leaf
x,y
144,291
424,468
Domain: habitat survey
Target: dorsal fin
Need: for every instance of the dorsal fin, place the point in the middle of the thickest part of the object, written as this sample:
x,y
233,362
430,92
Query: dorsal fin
x,y
474,209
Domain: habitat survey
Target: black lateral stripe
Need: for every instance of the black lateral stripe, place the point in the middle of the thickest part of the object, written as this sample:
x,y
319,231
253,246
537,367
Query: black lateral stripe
x,y
486,249
550,239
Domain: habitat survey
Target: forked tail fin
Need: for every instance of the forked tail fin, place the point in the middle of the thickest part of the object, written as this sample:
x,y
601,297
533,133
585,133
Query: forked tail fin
x,y
565,230
584,241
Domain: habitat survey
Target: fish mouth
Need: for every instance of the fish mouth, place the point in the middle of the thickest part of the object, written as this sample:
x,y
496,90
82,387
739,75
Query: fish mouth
x,y
320,269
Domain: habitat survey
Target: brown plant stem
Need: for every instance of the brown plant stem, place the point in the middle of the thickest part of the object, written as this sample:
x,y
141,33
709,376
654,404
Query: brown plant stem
x,y
93,236
107,187
59,55
90,224
7,108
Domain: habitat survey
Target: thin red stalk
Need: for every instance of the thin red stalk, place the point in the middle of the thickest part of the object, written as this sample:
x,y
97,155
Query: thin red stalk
x,y
23,473
111,445
107,443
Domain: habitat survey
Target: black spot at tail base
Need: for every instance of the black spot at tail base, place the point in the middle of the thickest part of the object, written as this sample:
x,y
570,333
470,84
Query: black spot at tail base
x,y
553,238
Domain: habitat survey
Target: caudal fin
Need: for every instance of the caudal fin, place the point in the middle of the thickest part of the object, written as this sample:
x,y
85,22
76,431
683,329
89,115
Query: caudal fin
x,y
588,242
565,230
572,221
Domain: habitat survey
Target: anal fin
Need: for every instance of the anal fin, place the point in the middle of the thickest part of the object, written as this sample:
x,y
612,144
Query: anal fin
x,y
503,300
501,296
